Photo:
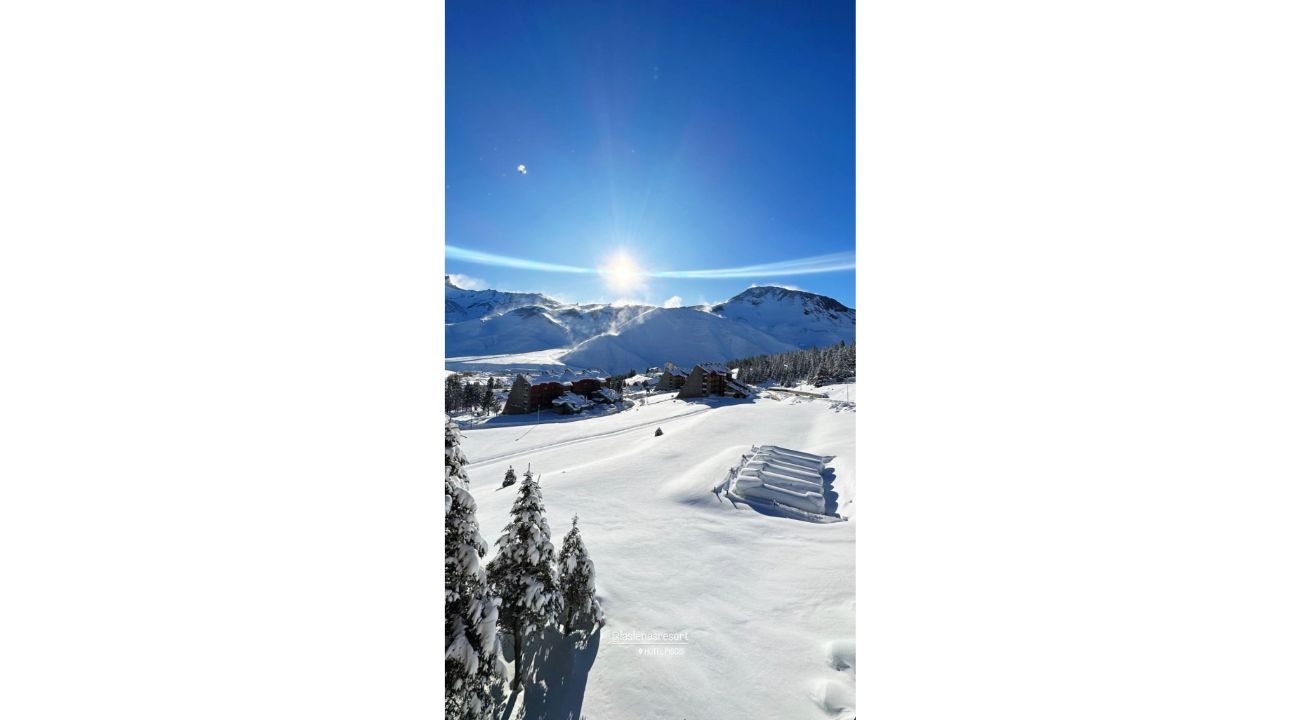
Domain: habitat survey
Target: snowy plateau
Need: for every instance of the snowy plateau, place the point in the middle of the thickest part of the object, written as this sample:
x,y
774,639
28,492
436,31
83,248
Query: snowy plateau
x,y
715,609
719,604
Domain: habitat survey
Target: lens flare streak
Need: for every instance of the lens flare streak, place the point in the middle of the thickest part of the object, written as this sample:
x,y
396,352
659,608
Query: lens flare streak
x,y
625,271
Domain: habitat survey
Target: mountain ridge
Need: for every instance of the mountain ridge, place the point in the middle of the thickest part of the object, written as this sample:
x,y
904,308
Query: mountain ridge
x,y
758,320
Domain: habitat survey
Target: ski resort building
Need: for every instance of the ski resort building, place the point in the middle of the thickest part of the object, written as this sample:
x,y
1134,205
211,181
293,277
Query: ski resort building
x,y
712,379
672,378
586,386
542,393
526,396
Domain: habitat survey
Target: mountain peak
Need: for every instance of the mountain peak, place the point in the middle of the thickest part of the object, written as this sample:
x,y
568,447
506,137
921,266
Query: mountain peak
x,y
761,293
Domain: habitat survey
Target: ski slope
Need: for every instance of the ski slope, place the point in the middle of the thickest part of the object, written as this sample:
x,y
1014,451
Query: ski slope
x,y
758,609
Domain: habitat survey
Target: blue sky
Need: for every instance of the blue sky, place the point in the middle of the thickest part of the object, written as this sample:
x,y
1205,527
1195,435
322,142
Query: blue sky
x,y
658,137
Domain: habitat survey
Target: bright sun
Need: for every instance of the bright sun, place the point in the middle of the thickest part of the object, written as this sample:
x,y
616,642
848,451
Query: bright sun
x,y
622,272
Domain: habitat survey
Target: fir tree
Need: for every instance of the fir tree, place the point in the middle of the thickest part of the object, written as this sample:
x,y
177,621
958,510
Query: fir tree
x,y
455,394
523,572
578,584
472,396
472,648
510,477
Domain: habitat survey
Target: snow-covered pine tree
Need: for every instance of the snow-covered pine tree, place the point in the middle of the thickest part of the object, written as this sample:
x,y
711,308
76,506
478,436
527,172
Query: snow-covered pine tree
x,y
473,396
523,572
472,648
510,477
578,584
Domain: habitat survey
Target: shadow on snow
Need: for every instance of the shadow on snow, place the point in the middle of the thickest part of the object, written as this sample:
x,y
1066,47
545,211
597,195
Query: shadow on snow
x,y
558,688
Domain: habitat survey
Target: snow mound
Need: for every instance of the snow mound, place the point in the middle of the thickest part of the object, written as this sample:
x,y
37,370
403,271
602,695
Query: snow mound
x,y
834,695
777,476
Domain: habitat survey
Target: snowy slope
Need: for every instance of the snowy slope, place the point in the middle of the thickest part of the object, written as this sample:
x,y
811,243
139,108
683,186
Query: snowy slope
x,y
684,336
766,603
518,331
794,316
588,321
532,328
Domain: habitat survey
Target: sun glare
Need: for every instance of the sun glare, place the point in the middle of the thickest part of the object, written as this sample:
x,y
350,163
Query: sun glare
x,y
622,272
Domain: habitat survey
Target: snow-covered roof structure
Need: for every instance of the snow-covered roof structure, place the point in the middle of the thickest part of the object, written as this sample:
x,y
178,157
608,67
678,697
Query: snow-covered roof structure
x,y
567,375
607,395
571,402
773,475
714,367
739,387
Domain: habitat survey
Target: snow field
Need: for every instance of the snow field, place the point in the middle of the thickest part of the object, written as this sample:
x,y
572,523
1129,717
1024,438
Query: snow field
x,y
764,602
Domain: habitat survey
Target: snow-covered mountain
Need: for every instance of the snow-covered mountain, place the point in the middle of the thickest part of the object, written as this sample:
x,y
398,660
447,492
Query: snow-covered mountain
x,y
794,316
520,330
465,304
536,327
615,338
685,336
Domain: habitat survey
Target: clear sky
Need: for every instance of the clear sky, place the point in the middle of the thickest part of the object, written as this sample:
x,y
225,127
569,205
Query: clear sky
x,y
659,138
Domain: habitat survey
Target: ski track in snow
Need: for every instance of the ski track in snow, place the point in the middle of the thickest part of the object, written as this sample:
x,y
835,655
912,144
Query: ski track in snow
x,y
576,441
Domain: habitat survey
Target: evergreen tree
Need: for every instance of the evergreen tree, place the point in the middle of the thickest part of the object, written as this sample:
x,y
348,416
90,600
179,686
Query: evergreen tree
x,y
835,363
523,572
454,393
578,584
510,477
472,396
472,648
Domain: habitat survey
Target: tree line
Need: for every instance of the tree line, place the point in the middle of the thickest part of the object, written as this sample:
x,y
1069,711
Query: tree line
x,y
818,365
525,589
465,396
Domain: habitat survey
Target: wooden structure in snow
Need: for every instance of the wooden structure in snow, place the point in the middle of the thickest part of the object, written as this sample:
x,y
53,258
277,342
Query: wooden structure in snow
x,y
782,478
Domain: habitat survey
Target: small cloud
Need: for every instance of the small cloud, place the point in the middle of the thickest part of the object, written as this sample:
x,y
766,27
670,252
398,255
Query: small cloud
x,y
673,302
468,283
522,170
